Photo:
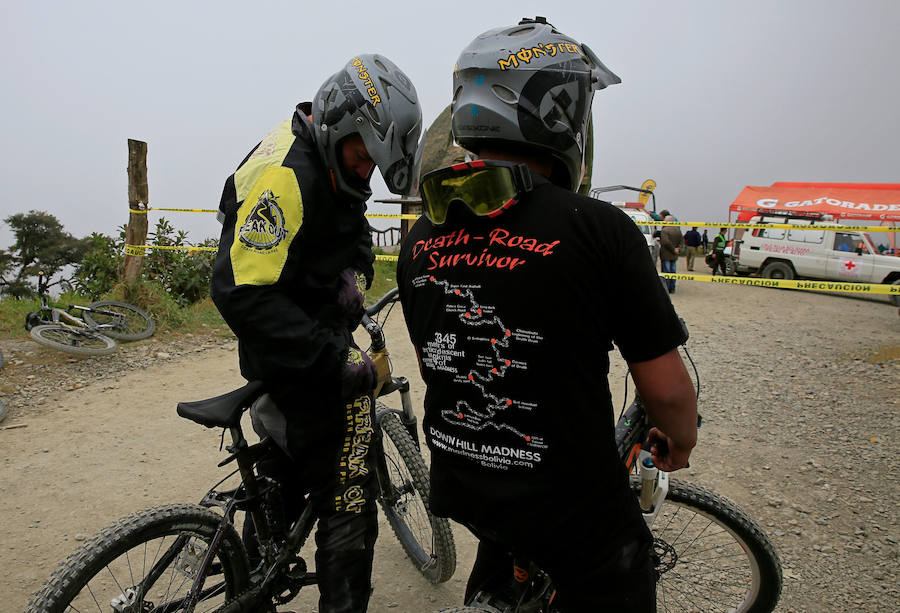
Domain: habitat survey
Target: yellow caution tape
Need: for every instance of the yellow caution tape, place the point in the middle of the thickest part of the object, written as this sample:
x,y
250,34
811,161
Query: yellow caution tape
x,y
390,216
153,208
370,215
709,224
136,250
817,286
692,224
780,226
139,249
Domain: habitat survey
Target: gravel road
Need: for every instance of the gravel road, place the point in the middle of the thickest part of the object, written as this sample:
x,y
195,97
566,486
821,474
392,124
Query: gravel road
x,y
799,394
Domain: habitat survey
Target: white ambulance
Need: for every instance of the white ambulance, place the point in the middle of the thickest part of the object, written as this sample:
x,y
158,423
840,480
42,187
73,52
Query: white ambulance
x,y
636,211
811,252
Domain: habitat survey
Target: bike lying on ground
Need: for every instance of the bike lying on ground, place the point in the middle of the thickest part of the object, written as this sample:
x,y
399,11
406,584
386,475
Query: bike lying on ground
x,y
92,333
185,557
709,554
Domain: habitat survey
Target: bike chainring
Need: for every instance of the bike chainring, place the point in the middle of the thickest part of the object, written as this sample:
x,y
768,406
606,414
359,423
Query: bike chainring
x,y
291,581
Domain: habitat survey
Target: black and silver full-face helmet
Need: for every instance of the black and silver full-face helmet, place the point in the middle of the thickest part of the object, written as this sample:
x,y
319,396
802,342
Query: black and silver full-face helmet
x,y
528,84
371,97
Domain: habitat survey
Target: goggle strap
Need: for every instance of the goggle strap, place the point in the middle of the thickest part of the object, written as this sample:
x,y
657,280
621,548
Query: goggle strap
x,y
505,206
523,177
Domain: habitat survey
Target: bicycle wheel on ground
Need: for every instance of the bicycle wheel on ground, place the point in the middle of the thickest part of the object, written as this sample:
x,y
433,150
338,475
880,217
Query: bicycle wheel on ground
x,y
72,340
127,322
711,555
405,498
147,562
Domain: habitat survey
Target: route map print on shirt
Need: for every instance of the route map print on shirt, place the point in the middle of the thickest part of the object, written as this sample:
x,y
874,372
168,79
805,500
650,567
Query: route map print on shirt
x,y
490,357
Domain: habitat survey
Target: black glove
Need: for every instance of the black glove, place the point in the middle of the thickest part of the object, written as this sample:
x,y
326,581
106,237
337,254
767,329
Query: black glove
x,y
358,374
351,297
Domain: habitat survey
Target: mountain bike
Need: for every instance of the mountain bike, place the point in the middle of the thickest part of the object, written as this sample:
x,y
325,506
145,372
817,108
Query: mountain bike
x,y
184,557
93,331
708,553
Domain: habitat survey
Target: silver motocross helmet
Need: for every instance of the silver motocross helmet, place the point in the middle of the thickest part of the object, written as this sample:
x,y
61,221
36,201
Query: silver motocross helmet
x,y
528,84
371,97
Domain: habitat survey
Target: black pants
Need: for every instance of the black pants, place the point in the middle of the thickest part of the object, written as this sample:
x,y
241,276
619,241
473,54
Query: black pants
x,y
719,263
327,456
594,569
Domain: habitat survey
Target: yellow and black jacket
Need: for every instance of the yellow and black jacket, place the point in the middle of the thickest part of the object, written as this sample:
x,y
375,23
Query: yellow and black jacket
x,y
285,239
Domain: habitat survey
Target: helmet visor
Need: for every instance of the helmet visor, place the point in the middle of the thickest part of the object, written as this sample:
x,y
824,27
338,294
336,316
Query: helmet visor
x,y
485,187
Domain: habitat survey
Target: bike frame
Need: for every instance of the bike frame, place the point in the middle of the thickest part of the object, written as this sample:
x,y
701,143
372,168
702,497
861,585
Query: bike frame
x,y
250,495
65,317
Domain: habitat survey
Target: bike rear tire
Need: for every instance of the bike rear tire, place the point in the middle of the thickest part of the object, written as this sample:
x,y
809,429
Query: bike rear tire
x,y
134,324
405,498
70,340
712,555
96,573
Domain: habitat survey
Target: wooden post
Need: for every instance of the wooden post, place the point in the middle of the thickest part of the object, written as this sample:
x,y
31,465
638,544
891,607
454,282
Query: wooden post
x,y
136,233
409,206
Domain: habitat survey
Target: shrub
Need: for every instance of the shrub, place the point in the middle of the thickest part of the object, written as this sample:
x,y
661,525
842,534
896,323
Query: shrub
x,y
184,274
98,271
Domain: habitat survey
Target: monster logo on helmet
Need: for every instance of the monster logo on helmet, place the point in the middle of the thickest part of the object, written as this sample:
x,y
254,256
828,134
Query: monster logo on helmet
x,y
528,84
371,97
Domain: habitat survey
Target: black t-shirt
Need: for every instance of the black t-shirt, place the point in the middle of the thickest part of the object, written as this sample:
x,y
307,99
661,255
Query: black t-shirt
x,y
513,318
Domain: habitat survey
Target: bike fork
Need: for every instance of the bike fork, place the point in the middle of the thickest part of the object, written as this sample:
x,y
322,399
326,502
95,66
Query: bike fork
x,y
407,415
654,487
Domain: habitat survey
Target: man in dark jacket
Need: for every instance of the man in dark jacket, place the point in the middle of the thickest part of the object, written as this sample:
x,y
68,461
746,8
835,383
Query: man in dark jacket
x,y
692,240
514,288
670,243
294,259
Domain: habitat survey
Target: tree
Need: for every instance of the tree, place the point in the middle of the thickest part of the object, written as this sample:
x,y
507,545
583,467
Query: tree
x,y
41,245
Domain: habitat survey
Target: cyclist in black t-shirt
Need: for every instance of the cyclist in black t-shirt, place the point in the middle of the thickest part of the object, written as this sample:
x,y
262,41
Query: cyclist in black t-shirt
x,y
514,290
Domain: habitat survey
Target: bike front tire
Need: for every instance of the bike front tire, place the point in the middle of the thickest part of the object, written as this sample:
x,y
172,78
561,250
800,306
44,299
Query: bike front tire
x,y
129,322
70,340
142,551
405,498
711,555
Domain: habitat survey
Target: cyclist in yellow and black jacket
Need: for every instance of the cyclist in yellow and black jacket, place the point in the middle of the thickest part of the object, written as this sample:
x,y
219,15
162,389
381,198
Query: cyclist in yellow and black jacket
x,y
294,258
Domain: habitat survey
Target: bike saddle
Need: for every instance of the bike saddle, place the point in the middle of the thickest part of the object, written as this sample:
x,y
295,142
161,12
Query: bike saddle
x,y
222,411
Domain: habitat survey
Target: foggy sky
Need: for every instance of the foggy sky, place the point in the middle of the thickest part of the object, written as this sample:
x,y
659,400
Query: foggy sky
x,y
714,95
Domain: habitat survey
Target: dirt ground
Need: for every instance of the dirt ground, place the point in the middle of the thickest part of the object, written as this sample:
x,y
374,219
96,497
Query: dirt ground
x,y
799,392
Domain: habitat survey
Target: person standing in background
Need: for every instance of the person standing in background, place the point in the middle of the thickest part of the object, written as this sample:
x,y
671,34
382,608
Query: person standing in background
x,y
719,243
705,239
692,240
670,244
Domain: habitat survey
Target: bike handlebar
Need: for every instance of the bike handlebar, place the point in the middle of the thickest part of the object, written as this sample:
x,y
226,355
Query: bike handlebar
x,y
372,327
388,298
